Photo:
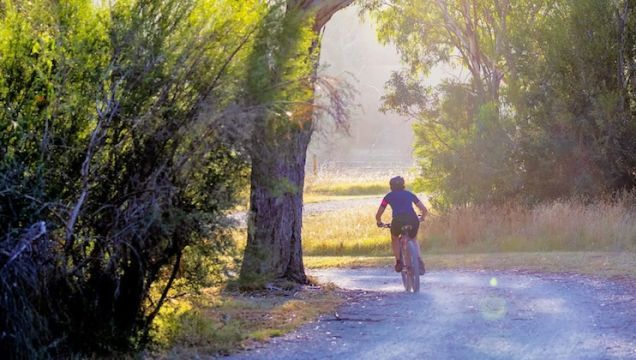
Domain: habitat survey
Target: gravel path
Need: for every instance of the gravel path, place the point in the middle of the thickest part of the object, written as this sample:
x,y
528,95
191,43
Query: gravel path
x,y
468,315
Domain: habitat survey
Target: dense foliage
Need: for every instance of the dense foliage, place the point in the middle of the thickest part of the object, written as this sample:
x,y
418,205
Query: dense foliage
x,y
543,107
117,157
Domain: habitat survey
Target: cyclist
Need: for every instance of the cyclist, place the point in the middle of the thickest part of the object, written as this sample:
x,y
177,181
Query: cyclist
x,y
401,202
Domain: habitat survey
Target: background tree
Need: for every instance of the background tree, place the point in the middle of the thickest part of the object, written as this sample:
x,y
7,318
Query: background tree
x,y
540,112
464,133
577,101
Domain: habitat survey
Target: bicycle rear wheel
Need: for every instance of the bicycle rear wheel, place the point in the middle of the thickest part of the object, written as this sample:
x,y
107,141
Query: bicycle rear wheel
x,y
406,280
414,266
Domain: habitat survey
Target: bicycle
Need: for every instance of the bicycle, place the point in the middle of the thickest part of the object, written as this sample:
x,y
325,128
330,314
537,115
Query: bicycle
x,y
408,255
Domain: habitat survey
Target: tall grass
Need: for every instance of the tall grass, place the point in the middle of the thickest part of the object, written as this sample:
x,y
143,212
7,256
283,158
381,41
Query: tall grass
x,y
345,232
573,225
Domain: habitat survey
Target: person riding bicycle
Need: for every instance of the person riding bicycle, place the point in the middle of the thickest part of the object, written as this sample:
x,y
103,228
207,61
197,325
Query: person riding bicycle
x,y
401,202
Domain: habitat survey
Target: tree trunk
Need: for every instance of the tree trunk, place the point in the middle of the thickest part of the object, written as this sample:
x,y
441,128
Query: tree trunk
x,y
274,240
276,202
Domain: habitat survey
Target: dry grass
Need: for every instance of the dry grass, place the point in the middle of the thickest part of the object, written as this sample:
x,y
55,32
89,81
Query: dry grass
x,y
315,198
346,232
340,176
559,226
220,322
352,182
349,188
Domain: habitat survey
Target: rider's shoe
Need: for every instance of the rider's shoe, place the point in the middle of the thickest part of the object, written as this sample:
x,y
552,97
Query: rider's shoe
x,y
422,268
398,265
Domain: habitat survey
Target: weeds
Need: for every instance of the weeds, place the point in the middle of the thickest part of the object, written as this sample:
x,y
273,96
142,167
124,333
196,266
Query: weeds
x,y
221,322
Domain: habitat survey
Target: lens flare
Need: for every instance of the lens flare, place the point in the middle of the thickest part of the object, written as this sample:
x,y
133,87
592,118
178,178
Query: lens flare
x,y
493,308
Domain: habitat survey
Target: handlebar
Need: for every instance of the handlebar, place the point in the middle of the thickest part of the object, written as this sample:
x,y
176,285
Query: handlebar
x,y
388,225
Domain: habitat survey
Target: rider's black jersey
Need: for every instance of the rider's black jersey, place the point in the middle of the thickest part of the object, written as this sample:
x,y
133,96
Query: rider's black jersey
x,y
401,202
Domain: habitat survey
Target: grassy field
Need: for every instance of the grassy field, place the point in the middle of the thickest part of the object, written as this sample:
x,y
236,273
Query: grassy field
x,y
351,182
346,232
351,188
597,238
315,198
559,226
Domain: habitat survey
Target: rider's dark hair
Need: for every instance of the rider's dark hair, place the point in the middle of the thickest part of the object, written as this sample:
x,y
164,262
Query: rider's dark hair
x,y
396,183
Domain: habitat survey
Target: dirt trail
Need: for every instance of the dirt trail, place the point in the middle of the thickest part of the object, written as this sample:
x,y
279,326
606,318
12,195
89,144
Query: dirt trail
x,y
468,315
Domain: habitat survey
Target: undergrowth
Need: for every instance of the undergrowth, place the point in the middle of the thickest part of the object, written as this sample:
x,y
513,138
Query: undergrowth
x,y
219,322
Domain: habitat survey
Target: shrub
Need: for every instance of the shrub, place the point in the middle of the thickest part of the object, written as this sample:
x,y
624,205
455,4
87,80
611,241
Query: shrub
x,y
113,163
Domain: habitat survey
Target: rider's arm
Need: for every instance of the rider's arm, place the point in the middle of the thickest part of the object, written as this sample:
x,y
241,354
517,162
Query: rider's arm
x,y
422,209
378,215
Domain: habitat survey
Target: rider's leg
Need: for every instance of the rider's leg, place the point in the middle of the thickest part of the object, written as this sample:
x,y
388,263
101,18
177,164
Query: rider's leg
x,y
395,245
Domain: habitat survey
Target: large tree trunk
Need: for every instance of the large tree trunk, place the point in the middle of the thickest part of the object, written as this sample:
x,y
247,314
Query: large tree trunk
x,y
276,202
274,246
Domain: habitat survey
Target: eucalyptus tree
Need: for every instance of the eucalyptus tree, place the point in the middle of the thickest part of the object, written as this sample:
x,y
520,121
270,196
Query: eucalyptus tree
x,y
465,129
283,75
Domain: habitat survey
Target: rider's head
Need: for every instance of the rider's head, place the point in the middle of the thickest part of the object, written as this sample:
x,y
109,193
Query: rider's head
x,y
397,183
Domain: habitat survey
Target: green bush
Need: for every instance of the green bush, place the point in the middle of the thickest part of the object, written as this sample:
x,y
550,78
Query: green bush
x,y
114,169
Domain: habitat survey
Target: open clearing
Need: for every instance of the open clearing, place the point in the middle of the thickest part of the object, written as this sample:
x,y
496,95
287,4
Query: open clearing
x,y
468,315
